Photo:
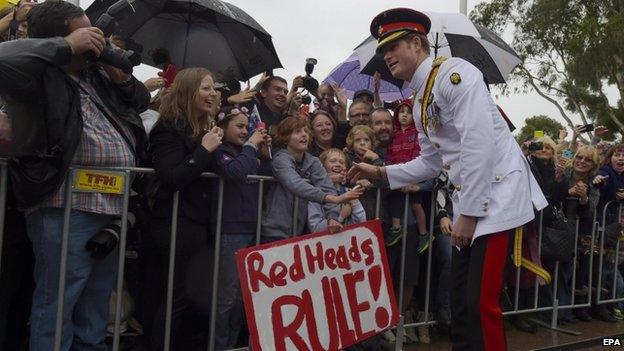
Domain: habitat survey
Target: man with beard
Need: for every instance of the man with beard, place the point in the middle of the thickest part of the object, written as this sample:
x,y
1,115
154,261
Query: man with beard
x,y
461,130
381,122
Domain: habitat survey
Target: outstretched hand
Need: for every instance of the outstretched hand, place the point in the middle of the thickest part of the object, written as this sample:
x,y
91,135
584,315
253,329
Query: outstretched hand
x,y
362,171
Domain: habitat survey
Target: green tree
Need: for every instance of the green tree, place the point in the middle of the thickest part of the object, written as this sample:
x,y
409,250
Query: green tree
x,y
572,54
544,123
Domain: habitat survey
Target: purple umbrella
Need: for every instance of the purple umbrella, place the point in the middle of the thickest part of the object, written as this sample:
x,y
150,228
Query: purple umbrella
x,y
347,75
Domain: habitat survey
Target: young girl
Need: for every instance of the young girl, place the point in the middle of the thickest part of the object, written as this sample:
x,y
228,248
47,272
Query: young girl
x,y
404,148
361,142
335,162
237,158
300,175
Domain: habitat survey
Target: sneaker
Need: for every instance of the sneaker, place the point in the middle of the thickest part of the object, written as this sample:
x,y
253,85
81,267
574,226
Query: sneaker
x,y
424,242
393,237
618,313
423,330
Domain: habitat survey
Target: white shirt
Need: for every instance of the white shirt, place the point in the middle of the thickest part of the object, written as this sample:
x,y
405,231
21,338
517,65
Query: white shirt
x,y
472,142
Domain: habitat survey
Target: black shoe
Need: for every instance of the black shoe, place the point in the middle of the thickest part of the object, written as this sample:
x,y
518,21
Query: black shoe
x,y
583,315
393,236
524,325
424,241
605,315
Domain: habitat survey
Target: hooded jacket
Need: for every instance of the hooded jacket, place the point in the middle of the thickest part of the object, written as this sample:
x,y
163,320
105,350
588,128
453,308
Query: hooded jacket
x,y
404,146
309,181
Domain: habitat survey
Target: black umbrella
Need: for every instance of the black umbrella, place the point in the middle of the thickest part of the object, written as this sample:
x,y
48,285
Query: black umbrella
x,y
197,33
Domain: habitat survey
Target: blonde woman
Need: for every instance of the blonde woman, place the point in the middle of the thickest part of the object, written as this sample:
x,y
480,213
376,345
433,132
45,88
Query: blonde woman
x,y
182,142
579,174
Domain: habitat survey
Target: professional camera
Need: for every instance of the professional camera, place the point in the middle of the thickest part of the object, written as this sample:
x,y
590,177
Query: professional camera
x,y
105,241
309,83
536,146
116,57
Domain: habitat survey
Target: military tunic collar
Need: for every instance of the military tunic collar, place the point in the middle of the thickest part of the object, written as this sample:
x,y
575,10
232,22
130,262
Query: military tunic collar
x,y
420,76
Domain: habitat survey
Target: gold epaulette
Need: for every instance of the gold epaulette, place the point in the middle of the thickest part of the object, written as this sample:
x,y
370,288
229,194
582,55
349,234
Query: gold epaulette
x,y
426,99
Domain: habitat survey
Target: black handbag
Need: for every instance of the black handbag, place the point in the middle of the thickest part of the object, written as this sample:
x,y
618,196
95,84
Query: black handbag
x,y
558,238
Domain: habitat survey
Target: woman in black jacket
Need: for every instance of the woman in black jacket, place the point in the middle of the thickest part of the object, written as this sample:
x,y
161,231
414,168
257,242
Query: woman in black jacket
x,y
549,173
182,143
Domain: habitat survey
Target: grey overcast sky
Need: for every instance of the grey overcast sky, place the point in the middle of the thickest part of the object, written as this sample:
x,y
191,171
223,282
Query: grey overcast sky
x,y
329,30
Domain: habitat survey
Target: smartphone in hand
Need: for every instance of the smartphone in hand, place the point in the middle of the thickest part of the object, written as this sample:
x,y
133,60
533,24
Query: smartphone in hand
x,y
587,128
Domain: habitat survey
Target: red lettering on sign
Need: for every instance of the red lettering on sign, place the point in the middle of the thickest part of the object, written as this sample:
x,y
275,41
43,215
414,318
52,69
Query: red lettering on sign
x,y
330,311
354,252
255,263
382,317
305,311
312,258
347,335
278,273
296,270
367,249
110,181
321,294
355,306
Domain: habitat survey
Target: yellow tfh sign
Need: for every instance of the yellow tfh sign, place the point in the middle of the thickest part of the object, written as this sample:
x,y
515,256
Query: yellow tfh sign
x,y
94,181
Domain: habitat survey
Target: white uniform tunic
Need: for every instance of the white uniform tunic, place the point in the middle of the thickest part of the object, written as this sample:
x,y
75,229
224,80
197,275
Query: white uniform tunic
x,y
472,142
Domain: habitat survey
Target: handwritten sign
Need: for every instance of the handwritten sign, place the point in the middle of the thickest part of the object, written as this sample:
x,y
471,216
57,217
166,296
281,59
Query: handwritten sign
x,y
318,292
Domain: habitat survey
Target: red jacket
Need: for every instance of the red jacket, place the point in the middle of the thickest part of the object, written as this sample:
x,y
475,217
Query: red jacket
x,y
404,146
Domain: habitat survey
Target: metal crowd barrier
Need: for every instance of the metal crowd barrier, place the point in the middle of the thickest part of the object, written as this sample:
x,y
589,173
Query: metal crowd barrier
x,y
597,230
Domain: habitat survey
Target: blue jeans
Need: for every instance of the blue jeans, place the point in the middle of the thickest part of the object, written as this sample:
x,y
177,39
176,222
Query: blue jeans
x,y
87,287
229,299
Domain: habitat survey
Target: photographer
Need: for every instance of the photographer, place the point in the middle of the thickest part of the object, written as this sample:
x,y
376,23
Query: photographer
x,y
66,110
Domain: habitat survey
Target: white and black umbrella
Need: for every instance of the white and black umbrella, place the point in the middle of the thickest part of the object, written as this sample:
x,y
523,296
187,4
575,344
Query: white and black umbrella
x,y
454,35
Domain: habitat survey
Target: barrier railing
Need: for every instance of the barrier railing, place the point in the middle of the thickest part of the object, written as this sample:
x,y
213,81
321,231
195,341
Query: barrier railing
x,y
598,230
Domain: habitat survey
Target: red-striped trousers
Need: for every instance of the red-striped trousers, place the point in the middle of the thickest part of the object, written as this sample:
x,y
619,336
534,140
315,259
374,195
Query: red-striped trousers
x,y
477,281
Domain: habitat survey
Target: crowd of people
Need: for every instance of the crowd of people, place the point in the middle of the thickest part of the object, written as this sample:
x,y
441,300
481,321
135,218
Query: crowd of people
x,y
58,107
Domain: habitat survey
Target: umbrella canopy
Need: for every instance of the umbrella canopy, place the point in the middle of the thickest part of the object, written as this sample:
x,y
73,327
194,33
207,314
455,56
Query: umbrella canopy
x,y
197,33
347,75
454,35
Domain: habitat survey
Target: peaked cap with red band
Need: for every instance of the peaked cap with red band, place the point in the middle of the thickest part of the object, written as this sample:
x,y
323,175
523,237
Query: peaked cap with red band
x,y
393,24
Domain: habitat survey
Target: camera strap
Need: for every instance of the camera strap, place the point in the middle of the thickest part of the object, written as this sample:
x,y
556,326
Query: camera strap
x,y
110,119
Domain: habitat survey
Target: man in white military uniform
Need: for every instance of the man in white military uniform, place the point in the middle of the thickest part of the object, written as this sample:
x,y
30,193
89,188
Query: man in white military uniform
x,y
461,130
